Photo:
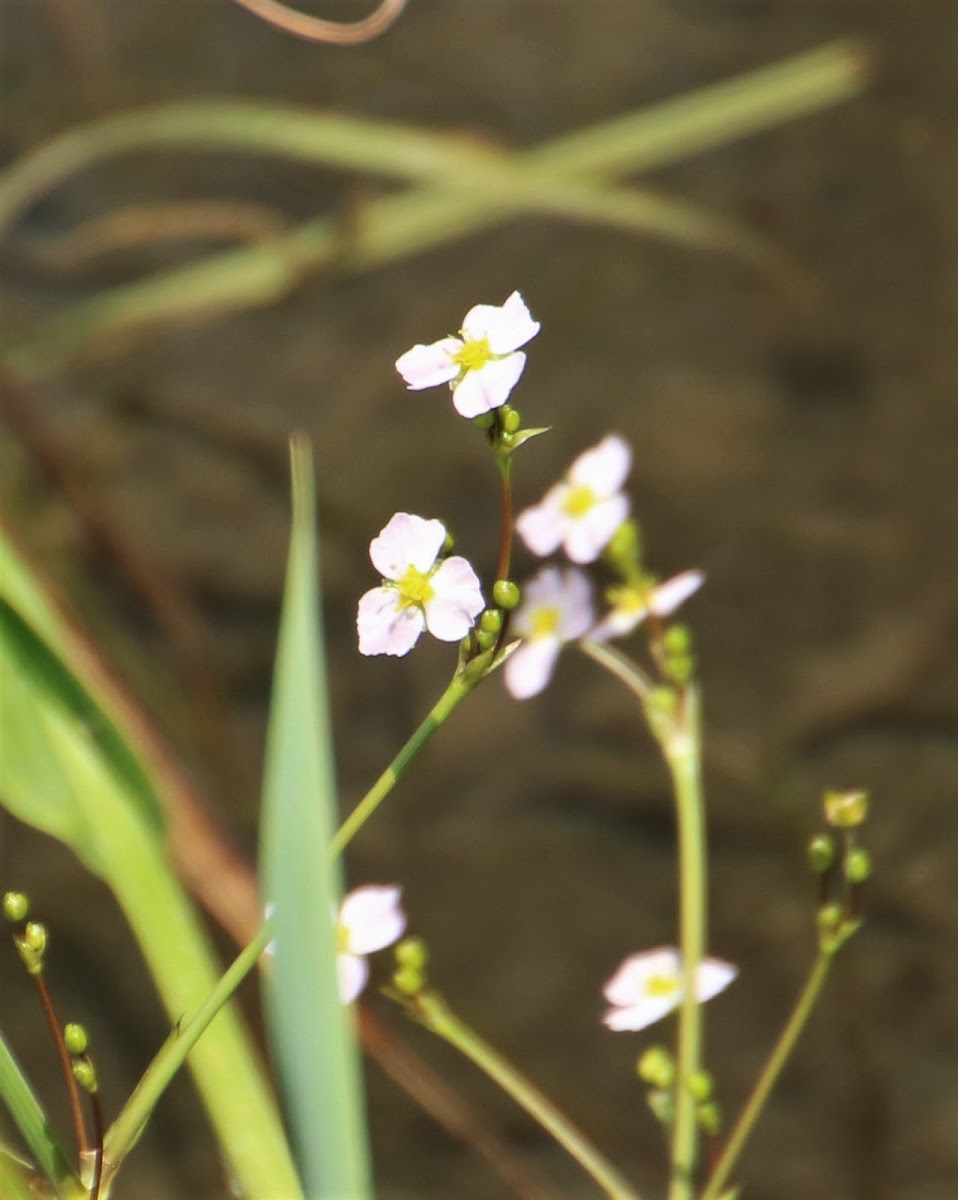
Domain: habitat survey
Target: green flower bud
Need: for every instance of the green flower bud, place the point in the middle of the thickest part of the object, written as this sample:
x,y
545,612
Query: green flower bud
x,y
412,952
821,853
624,550
408,980
511,420
847,809
701,1085
655,1066
830,917
677,640
491,621
85,1075
506,594
15,906
484,420
858,865
485,639
709,1117
662,1105
75,1038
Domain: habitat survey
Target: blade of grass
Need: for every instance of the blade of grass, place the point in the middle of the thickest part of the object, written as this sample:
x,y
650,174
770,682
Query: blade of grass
x,y
310,1030
31,1120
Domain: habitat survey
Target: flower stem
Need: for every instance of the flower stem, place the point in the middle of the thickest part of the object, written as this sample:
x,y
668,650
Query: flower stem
x,y
683,754
432,1010
505,541
769,1076
458,688
73,1091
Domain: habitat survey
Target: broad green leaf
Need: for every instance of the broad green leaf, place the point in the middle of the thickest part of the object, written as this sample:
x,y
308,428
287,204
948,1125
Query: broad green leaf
x,y
310,1031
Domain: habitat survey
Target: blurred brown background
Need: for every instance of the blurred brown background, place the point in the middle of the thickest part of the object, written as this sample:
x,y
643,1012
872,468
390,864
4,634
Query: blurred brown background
x,y
805,457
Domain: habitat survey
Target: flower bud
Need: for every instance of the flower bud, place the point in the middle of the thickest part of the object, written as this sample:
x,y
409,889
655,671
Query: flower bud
x,y
409,981
709,1117
701,1085
506,594
75,1038
485,639
662,1105
858,865
85,1075
412,952
511,420
821,853
15,906
491,621
846,809
655,1066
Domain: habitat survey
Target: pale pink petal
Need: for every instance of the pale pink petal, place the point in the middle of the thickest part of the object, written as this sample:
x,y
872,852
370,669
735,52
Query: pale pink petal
x,y
542,527
407,541
482,390
529,669
667,597
353,973
588,536
567,591
506,327
642,1013
457,600
631,978
385,626
372,917
604,468
428,366
713,976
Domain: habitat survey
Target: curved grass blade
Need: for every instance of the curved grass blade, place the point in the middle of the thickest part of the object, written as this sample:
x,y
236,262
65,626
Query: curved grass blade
x,y
31,1120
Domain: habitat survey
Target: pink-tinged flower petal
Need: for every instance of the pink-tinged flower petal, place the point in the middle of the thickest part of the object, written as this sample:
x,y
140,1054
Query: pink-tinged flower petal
x,y
639,1015
428,366
667,597
456,602
385,626
567,591
587,538
542,527
488,387
647,986
372,917
604,468
529,668
713,976
353,973
634,973
406,541
506,327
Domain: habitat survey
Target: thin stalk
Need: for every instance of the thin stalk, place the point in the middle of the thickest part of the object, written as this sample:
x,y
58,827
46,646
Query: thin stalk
x,y
505,541
96,1109
435,1014
683,755
769,1076
73,1091
458,688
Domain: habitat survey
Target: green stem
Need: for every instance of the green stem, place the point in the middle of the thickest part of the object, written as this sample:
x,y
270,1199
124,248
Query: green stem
x,y
683,755
505,542
125,1130
456,691
433,1011
769,1076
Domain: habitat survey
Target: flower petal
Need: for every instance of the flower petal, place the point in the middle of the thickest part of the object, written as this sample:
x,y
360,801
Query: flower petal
x,y
713,976
667,597
385,626
488,387
428,366
604,468
506,327
631,978
456,602
588,537
529,669
542,527
353,973
406,541
372,917
642,1013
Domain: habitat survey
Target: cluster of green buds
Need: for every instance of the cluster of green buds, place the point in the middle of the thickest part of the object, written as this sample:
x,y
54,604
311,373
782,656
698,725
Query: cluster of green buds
x,y
77,1042
412,958
842,865
656,1067
29,937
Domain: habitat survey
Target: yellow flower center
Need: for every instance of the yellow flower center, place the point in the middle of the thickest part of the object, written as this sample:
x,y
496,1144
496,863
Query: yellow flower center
x,y
414,589
342,939
545,622
474,355
579,501
662,985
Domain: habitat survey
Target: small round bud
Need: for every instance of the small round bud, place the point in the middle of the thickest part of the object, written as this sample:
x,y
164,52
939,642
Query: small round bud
x,y
485,639
655,1066
484,420
511,420
677,640
85,1075
35,937
829,918
624,549
709,1117
408,980
662,1105
858,865
412,952
491,621
15,906
75,1038
506,594
701,1085
821,853
847,809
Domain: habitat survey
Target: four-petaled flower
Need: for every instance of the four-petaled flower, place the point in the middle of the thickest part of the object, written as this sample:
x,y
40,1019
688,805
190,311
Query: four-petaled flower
x,y
648,986
370,918
631,604
417,592
556,608
482,365
583,511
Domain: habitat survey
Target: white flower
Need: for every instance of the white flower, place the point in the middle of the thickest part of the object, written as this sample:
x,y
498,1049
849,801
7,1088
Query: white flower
x,y
370,918
556,608
648,986
416,592
631,605
483,365
583,511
